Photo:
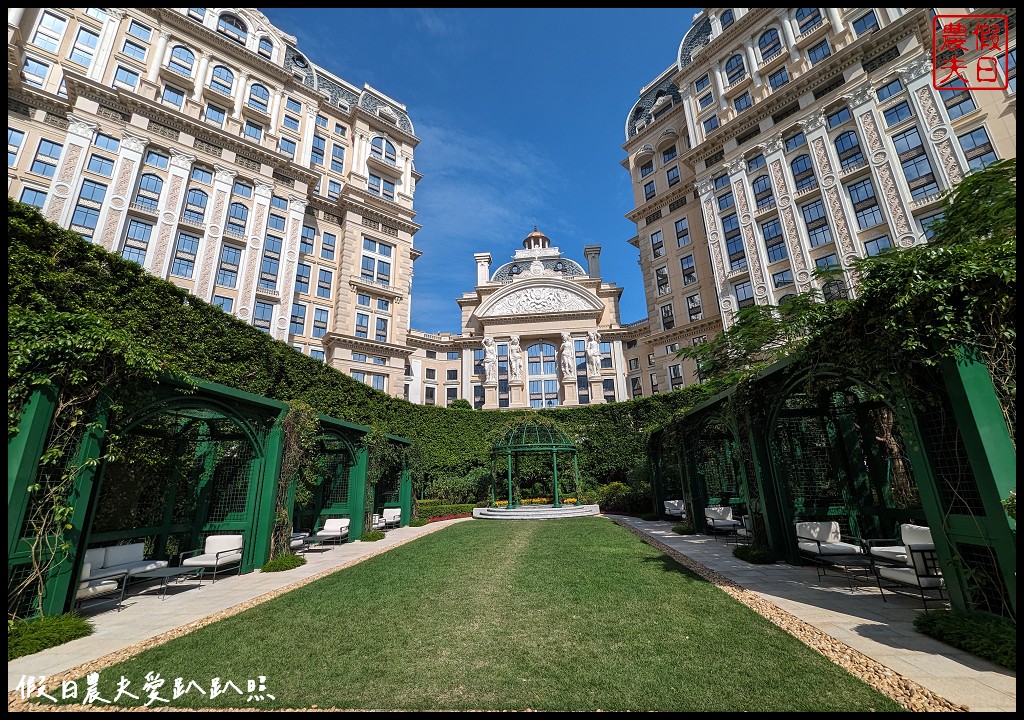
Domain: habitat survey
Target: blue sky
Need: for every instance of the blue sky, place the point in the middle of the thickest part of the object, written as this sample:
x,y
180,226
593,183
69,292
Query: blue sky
x,y
520,114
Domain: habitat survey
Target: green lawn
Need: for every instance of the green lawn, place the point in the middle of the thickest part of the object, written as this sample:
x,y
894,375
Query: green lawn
x,y
574,614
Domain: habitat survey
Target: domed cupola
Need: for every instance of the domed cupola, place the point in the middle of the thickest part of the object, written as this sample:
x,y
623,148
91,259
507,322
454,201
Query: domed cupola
x,y
536,240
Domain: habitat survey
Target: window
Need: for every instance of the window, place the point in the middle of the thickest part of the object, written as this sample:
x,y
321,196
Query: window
x,y
803,173
763,195
452,375
173,96
808,19
100,165
917,169
839,117
259,97
654,383
705,101
755,163
865,23
848,149
315,353
734,242
233,27
271,262
977,148
721,182
238,215
819,52
227,271
374,267
297,326
340,129
140,31
647,168
362,325
735,70
85,47
320,316
224,303
182,60
428,396
266,49
262,314
650,360
195,206
769,44
682,232
876,245
703,83
725,200
710,124
319,148
222,79
31,196
197,14
302,274
323,284
897,113
661,280
337,157
15,138
636,387
1011,67
287,146
185,255
795,141
773,240
35,72
742,102
744,294
688,269
668,320
333,189
828,262
927,223
889,90
215,114
383,187
107,142
957,98
383,149
865,204
657,244
818,229
45,161
291,123
778,78
327,244
49,31
148,195
668,154
156,159
783,278
136,241
649,190
727,19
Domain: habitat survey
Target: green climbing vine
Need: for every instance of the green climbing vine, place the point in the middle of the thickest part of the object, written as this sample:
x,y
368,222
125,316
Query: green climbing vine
x,y
300,429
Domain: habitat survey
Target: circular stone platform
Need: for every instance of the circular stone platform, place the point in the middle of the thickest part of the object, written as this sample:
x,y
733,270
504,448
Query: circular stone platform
x,y
535,512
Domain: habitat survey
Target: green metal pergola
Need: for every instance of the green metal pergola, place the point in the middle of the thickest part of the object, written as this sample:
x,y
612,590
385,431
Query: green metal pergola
x,y
532,439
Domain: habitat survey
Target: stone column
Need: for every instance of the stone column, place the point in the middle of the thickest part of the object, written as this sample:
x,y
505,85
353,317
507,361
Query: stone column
x,y
756,262
171,201
69,170
252,258
156,60
286,271
215,220
119,194
797,243
713,228
204,63
483,264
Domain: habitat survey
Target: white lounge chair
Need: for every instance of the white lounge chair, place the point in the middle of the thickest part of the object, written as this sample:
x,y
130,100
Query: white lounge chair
x,y
335,530
719,519
392,518
675,509
377,522
105,589
219,553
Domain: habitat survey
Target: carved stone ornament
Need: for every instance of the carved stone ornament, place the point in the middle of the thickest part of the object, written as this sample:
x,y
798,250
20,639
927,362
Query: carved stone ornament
x,y
860,95
264,190
537,300
814,121
182,160
134,142
773,146
915,69
81,128
224,174
705,186
736,167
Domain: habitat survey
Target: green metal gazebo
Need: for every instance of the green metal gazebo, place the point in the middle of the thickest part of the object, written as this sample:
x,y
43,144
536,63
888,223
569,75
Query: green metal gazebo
x,y
532,439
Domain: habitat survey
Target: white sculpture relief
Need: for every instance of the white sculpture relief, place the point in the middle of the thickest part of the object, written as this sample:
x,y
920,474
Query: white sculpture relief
x,y
536,300
490,360
515,359
593,353
568,354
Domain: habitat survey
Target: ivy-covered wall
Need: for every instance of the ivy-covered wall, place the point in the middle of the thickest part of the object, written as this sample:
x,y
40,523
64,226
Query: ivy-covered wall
x,y
53,274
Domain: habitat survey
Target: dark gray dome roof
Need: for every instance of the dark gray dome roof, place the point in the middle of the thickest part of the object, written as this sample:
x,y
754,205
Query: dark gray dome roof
x,y
696,37
567,267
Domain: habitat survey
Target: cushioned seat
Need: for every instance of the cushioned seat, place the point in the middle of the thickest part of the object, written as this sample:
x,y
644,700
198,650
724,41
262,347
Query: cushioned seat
x,y
719,520
392,517
220,552
109,587
674,508
335,530
822,542
113,560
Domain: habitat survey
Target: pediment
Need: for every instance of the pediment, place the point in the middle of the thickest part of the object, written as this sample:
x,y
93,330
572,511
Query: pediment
x,y
541,296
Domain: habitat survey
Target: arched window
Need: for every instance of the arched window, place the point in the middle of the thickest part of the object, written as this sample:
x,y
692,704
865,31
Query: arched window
x,y
148,195
222,80
266,48
233,28
383,149
769,44
808,19
803,172
259,97
182,60
195,205
238,214
542,375
735,69
728,18
763,191
848,149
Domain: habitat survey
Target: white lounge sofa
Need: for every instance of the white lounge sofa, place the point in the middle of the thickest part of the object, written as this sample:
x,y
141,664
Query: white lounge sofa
x,y
109,588
675,509
719,520
392,517
113,560
909,568
823,543
219,553
335,530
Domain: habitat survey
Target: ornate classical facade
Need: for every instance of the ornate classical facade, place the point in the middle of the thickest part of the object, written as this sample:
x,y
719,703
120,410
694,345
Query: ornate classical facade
x,y
784,140
539,331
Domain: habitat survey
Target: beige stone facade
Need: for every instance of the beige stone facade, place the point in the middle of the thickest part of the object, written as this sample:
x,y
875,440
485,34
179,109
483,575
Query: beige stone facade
x,y
783,140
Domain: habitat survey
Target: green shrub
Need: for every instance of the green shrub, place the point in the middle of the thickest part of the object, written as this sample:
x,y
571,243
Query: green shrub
x,y
753,554
427,503
987,636
434,511
684,528
283,562
418,522
25,637
373,536
650,517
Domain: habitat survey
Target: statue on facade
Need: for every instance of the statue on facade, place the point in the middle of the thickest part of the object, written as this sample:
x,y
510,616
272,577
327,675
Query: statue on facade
x,y
515,359
593,353
568,356
490,360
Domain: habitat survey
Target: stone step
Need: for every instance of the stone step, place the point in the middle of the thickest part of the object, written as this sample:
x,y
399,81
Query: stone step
x,y
535,512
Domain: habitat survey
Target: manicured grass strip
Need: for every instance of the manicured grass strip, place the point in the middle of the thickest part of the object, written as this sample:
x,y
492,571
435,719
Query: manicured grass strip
x,y
572,614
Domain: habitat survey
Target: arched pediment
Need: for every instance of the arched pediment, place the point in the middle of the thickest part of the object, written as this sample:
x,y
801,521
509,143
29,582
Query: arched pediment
x,y
541,296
